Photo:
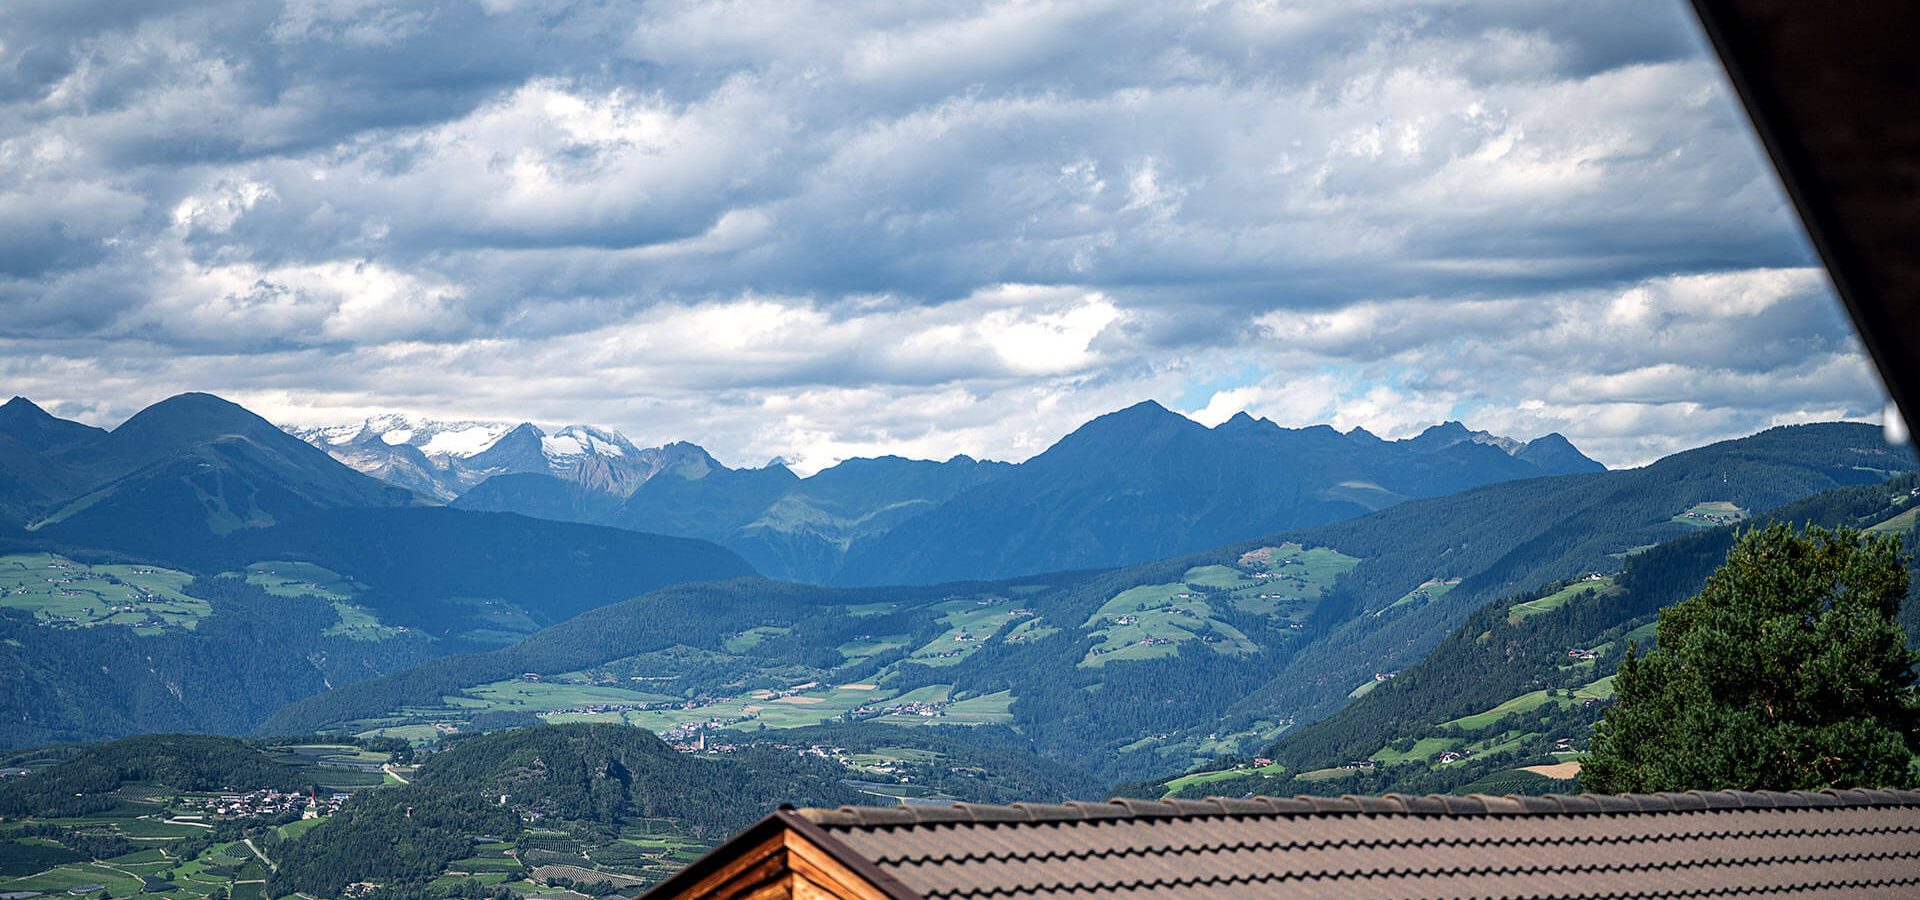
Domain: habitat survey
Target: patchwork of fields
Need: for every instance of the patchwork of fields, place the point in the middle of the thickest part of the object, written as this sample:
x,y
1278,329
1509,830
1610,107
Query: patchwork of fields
x,y
1274,587
62,592
166,833
1284,583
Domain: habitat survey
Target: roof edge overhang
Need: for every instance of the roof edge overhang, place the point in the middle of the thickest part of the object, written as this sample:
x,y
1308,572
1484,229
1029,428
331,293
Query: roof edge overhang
x,y
781,845
1830,89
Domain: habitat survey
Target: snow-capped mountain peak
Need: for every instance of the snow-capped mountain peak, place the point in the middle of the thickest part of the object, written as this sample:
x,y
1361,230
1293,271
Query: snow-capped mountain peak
x,y
445,458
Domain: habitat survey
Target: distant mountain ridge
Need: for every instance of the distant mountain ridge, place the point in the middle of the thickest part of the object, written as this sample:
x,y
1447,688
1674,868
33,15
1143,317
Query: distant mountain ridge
x,y
186,453
1146,482
1137,484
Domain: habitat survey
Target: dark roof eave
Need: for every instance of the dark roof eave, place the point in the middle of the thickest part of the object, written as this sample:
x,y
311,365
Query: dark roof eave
x,y
786,818
1830,89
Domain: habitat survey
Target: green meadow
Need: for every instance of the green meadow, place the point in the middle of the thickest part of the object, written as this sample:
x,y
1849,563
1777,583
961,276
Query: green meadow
x,y
1559,598
63,592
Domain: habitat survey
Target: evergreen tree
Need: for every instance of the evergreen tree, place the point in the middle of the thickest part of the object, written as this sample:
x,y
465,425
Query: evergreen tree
x,y
1788,671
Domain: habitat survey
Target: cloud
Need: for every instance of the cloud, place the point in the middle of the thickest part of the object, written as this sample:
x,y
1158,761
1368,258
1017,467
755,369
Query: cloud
x,y
818,229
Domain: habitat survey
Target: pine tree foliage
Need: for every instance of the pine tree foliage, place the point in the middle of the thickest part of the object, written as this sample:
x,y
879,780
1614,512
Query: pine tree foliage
x,y
1787,671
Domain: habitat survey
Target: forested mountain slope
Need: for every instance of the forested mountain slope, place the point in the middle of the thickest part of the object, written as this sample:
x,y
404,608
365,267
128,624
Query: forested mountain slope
x,y
1522,681
1506,538
585,780
197,569
1146,483
194,460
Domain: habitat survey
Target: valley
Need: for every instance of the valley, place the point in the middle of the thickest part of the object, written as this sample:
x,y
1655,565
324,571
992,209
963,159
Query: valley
x,y
939,659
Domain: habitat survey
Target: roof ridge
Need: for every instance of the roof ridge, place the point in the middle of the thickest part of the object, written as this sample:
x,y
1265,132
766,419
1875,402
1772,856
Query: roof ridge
x,y
1351,804
1162,883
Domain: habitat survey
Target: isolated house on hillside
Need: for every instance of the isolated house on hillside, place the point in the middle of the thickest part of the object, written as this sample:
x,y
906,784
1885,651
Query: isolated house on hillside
x,y
1859,843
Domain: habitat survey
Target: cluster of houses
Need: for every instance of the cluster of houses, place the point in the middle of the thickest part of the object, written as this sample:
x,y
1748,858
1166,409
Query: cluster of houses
x,y
692,735
925,708
1577,653
265,803
692,738
1712,518
1560,745
589,708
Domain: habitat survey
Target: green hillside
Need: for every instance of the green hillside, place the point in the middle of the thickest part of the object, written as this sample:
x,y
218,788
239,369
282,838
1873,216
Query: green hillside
x,y
95,644
1519,685
182,653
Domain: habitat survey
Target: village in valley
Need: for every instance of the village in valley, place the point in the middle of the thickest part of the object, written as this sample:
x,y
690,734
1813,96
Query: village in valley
x,y
192,844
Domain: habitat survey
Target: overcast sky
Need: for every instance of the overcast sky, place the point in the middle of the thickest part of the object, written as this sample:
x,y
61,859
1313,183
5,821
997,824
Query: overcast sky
x,y
844,228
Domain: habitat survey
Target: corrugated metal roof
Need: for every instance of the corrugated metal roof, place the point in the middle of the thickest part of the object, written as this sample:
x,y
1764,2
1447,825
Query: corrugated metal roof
x,y
1693,844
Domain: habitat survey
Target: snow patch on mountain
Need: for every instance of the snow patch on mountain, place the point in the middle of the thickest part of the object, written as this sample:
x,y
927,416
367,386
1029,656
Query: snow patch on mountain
x,y
463,442
575,441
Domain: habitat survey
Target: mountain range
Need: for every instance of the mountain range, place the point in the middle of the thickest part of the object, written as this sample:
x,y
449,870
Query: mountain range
x,y
1150,668
221,542
1134,485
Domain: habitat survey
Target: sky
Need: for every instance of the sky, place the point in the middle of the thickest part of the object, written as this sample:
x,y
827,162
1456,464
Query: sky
x,y
823,230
